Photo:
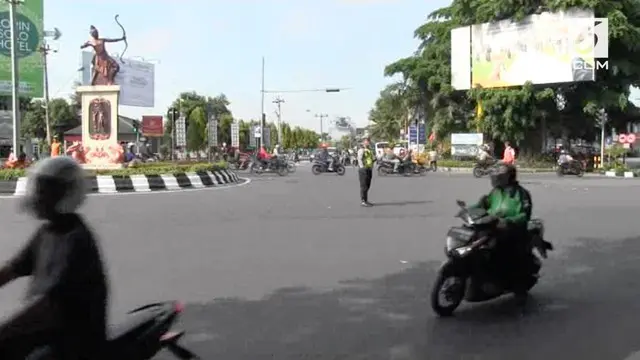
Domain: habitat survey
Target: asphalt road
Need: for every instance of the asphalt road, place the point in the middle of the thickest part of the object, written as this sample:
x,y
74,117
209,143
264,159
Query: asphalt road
x,y
293,268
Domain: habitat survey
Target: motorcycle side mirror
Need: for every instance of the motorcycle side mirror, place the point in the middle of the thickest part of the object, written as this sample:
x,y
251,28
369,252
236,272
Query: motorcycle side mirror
x,y
461,203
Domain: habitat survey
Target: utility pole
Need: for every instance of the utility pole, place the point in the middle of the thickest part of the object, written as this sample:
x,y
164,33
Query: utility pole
x,y
322,117
279,101
15,76
262,115
45,49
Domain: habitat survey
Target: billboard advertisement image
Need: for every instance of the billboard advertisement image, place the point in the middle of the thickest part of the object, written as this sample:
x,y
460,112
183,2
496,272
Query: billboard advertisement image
x,y
30,28
543,49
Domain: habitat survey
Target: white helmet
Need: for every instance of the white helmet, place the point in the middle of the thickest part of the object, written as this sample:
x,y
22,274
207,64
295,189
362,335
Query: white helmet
x,y
55,186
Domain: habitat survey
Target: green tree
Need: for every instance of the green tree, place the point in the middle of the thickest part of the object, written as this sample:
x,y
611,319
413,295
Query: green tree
x,y
518,113
196,132
61,114
389,113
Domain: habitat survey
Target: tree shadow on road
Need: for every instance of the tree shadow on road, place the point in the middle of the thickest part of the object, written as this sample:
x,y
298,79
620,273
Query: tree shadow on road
x,y
570,315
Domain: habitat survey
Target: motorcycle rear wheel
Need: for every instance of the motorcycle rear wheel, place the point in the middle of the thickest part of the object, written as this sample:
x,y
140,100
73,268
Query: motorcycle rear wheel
x,y
316,170
454,292
478,172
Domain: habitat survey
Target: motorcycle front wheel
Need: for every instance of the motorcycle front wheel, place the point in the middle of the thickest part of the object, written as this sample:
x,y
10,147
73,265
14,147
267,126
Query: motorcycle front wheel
x,y
291,167
560,171
316,169
580,172
282,170
448,291
341,170
382,171
478,172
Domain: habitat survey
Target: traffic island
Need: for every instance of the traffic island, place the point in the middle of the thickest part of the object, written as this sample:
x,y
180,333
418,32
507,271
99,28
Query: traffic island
x,y
141,178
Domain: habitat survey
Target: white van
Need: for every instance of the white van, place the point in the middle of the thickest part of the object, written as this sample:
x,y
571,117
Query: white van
x,y
381,146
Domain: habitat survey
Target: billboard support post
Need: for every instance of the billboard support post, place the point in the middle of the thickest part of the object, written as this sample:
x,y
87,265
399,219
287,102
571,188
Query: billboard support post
x,y
15,79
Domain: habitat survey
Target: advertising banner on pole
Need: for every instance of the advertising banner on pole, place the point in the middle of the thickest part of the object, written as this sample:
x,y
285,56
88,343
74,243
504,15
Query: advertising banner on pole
x,y
30,27
213,130
152,125
235,134
181,132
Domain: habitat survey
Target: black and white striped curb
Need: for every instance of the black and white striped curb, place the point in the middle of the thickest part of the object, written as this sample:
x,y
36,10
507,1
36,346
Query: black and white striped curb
x,y
109,184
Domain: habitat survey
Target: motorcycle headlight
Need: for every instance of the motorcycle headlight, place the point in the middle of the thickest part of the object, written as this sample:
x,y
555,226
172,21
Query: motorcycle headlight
x,y
462,251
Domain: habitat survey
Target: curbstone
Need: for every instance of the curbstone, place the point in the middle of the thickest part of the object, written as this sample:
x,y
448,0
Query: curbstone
x,y
112,184
470,170
625,175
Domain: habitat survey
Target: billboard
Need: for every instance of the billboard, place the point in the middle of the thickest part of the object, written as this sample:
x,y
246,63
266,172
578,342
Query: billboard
x,y
152,126
30,27
465,144
136,79
543,48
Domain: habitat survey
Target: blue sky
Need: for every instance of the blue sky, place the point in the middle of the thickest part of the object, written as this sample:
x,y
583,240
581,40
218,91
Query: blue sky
x,y
214,47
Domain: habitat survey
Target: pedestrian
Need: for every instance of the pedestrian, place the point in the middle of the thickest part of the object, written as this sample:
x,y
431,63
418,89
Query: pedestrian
x,y
509,156
365,171
55,147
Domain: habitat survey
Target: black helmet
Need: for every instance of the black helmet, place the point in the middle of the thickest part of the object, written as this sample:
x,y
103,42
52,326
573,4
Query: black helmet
x,y
504,175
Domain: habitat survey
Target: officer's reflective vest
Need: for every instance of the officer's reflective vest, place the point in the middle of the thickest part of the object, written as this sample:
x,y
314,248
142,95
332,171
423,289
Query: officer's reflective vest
x,y
367,158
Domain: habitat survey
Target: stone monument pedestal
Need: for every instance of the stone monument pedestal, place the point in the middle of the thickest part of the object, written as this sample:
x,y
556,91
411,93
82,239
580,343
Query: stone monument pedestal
x,y
100,126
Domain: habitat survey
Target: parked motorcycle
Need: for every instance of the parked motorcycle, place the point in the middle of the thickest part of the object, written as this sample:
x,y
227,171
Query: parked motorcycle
x,y
406,168
320,167
574,167
275,165
466,274
146,332
483,169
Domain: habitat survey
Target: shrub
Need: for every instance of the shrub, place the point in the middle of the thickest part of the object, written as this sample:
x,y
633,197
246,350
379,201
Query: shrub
x,y
158,168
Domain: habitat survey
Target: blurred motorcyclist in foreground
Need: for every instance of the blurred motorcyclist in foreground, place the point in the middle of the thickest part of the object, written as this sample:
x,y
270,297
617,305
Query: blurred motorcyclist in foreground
x,y
64,316
512,204
324,156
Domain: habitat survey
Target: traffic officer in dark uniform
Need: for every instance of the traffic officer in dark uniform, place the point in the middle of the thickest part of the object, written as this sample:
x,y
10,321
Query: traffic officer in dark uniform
x,y
365,171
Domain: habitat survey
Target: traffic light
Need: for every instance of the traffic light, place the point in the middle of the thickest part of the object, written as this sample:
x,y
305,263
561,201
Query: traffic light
x,y
174,114
136,126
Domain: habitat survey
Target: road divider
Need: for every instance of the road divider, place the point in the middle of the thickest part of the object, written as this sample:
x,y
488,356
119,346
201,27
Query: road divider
x,y
111,184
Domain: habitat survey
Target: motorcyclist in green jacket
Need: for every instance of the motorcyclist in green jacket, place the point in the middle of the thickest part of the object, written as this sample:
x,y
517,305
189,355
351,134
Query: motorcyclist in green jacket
x,y
511,204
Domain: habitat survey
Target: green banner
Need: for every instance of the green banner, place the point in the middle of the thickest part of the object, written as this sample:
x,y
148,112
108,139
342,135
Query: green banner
x,y
30,31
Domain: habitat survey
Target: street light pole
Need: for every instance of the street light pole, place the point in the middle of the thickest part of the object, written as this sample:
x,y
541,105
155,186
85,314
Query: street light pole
x,y
322,117
45,49
279,101
15,78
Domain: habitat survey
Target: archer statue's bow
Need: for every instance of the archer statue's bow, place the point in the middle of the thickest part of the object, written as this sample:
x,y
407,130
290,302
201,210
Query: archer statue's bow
x,y
124,36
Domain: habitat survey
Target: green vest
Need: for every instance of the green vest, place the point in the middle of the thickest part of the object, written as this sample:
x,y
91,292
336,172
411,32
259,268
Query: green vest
x,y
367,158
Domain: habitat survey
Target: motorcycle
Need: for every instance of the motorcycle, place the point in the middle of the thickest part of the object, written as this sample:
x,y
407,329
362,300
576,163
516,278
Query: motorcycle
x,y
483,169
466,274
146,332
274,165
406,168
574,167
320,167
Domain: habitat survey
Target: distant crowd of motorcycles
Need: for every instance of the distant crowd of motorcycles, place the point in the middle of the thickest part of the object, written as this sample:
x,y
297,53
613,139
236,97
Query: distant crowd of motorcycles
x,y
334,162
